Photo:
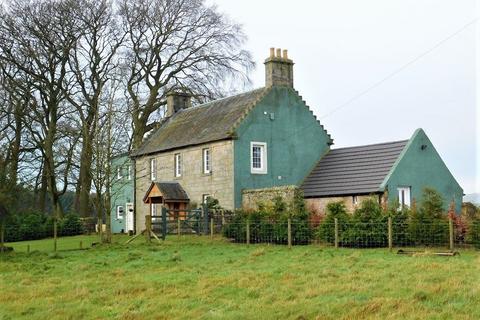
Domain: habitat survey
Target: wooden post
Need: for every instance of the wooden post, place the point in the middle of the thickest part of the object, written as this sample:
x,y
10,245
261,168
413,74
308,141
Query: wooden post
x,y
450,227
289,230
211,227
28,248
55,234
81,245
248,231
336,233
390,234
179,225
2,237
148,228
164,223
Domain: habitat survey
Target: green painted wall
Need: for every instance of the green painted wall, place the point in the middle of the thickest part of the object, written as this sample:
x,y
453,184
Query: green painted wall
x,y
419,168
295,142
121,192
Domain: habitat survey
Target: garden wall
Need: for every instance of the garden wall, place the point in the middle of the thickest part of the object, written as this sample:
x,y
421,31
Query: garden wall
x,y
252,197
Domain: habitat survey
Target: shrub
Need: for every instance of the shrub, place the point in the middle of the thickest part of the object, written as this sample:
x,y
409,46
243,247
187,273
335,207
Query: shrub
x,y
428,225
368,227
399,223
326,230
270,223
71,225
473,233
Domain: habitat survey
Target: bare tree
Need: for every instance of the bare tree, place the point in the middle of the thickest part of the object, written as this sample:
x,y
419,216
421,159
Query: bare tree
x,y
177,44
37,38
93,61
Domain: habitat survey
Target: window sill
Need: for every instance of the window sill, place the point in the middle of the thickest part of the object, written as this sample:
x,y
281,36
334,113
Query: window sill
x,y
258,172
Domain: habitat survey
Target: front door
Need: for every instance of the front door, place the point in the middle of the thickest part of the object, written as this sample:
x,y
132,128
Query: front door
x,y
129,217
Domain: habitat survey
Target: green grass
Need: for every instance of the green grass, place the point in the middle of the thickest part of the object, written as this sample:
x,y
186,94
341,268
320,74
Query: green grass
x,y
199,278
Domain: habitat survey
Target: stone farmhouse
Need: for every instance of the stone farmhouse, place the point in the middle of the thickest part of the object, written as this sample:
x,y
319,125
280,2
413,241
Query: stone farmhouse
x,y
267,141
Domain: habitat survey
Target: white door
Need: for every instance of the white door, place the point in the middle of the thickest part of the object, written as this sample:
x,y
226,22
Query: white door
x,y
129,217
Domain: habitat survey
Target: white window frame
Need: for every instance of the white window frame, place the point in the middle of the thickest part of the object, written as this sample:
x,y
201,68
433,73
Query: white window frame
x,y
153,169
178,165
207,160
263,158
404,196
153,209
119,215
205,198
119,172
129,172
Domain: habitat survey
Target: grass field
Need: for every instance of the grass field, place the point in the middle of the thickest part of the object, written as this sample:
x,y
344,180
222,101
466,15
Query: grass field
x,y
199,278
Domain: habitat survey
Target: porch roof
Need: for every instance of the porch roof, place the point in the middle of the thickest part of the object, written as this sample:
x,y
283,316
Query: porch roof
x,y
169,191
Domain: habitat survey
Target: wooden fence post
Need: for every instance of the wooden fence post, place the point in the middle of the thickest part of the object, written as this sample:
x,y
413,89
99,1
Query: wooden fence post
x,y
148,228
450,227
164,223
2,236
81,245
390,234
28,248
336,233
211,227
248,231
179,225
289,230
55,234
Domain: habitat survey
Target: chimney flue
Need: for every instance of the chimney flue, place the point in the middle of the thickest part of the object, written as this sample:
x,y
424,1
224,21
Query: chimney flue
x,y
278,69
177,101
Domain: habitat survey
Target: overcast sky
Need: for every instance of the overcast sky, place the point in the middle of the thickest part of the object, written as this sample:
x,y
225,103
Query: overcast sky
x,y
375,70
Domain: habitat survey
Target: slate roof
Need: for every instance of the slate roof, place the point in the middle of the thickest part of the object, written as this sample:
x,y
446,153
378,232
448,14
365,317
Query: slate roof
x,y
208,122
170,190
352,170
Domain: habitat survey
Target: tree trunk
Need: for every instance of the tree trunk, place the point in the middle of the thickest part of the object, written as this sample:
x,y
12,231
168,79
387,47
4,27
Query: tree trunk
x,y
85,178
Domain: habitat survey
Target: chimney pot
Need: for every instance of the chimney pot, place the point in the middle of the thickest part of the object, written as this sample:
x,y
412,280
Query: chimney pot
x,y
285,54
279,53
177,101
272,52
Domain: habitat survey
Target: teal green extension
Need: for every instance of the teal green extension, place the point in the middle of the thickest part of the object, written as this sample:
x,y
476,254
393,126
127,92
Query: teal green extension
x,y
122,206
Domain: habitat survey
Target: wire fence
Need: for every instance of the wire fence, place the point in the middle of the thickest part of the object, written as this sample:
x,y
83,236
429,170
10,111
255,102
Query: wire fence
x,y
445,233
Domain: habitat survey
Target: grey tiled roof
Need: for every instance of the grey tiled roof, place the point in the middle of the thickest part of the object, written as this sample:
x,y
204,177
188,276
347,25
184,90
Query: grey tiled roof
x,y
208,122
170,190
353,170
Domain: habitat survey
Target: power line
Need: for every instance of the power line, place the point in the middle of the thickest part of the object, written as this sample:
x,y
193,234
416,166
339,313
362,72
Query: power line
x,y
400,69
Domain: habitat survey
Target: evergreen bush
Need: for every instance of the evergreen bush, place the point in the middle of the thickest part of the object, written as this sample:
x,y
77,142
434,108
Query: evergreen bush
x,y
326,230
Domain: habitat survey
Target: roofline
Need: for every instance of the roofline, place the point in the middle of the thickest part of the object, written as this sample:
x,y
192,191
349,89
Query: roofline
x,y
399,158
346,194
133,156
372,144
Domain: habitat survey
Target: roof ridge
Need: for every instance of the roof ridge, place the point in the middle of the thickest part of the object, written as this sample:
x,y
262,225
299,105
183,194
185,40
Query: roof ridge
x,y
206,104
370,145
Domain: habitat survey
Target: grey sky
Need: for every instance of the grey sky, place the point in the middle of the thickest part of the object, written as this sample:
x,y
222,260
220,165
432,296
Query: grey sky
x,y
343,47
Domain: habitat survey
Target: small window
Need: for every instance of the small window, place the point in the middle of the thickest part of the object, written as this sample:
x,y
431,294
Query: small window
x,y
129,173
119,172
119,212
178,165
207,162
258,157
153,169
153,209
205,198
404,196
355,200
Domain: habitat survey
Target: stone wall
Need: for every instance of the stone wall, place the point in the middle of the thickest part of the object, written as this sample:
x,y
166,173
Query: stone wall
x,y
218,184
252,197
319,205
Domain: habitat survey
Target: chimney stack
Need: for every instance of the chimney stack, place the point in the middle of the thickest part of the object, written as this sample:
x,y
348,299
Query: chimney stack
x,y
177,101
278,69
